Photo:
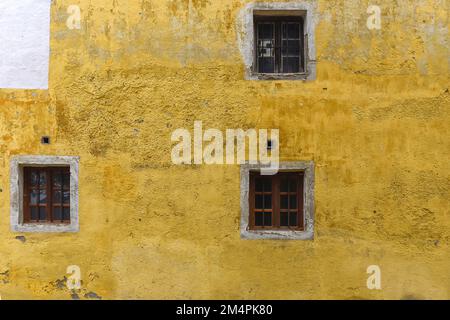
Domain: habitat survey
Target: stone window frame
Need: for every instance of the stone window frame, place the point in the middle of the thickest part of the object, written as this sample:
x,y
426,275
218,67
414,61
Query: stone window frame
x,y
17,187
308,234
246,38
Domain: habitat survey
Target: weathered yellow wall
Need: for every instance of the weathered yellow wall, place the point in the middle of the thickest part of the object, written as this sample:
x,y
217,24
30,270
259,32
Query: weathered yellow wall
x,y
376,123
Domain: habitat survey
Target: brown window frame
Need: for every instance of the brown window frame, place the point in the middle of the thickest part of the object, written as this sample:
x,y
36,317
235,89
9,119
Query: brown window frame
x,y
276,199
49,188
278,21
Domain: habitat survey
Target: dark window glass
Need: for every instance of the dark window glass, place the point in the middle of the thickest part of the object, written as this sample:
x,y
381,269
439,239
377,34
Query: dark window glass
x,y
267,219
46,194
293,30
34,195
259,202
293,202
66,181
290,65
266,47
279,44
266,65
266,30
43,197
57,213
66,197
293,185
42,214
284,222
34,179
284,185
267,202
292,219
259,185
267,185
276,201
284,202
35,213
57,197
259,219
57,182
66,216
42,179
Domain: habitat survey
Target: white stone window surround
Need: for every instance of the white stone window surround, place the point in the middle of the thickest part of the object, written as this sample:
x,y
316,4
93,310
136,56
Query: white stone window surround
x,y
246,38
16,192
308,206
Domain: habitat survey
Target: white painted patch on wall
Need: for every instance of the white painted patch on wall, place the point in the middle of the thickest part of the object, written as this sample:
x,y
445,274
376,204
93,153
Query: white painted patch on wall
x,y
24,44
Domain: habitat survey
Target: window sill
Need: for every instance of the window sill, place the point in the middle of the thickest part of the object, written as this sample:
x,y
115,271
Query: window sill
x,y
279,76
46,227
276,235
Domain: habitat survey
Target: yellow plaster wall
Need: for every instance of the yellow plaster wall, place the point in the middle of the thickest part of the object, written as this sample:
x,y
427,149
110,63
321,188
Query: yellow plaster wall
x,y
376,123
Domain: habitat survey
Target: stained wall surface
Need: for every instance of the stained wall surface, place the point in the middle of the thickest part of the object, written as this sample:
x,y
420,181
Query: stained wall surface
x,y
375,122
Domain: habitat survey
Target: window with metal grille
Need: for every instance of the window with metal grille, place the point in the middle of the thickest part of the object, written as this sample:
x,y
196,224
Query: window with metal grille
x,y
279,44
46,196
276,202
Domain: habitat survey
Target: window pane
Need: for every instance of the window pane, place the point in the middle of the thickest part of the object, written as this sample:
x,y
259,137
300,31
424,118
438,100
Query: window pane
x,y
34,213
266,65
34,197
293,185
284,28
259,219
294,48
258,185
66,196
268,202
284,219
284,49
287,201
57,181
34,179
259,201
291,48
284,185
266,48
66,214
267,185
284,202
291,64
42,213
66,180
265,31
293,30
293,202
292,219
42,179
57,197
57,214
43,197
267,218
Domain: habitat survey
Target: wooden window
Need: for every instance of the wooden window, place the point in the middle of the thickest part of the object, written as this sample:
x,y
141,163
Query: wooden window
x,y
46,196
279,44
276,202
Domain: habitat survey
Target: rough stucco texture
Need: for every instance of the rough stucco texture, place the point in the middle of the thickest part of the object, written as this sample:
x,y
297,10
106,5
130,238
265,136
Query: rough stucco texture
x,y
375,122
